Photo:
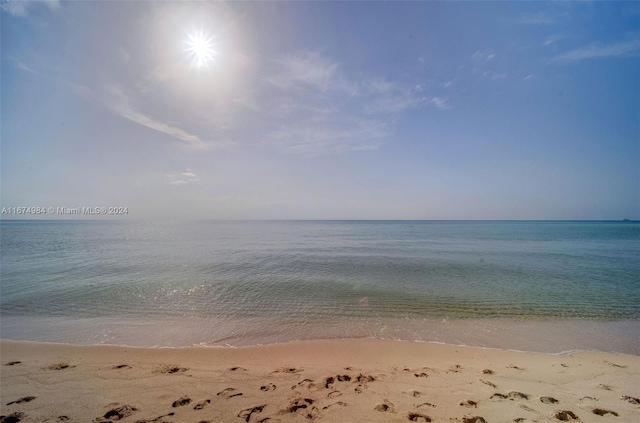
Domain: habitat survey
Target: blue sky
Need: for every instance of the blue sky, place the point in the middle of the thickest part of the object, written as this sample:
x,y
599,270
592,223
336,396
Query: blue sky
x,y
323,110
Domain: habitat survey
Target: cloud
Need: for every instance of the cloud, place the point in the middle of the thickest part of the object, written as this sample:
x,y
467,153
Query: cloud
x,y
551,39
528,77
483,55
384,97
118,102
535,19
308,69
329,136
20,65
21,8
182,179
441,103
599,51
122,107
450,84
494,76
318,109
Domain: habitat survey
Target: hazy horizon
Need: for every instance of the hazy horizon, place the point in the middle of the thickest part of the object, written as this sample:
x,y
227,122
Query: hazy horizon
x,y
322,110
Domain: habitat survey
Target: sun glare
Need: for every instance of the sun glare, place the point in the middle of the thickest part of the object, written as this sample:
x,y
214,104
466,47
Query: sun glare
x,y
200,48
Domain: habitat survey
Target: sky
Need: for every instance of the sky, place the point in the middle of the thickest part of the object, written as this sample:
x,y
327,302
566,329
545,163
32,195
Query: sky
x,y
322,110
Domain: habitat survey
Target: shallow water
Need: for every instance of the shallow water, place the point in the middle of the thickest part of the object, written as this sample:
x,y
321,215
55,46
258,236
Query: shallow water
x,y
243,283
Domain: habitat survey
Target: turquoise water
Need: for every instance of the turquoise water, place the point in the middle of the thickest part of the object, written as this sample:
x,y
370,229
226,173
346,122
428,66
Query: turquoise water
x,y
299,274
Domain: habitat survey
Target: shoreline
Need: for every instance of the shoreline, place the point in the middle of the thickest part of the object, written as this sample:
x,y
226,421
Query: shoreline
x,y
336,381
566,353
545,336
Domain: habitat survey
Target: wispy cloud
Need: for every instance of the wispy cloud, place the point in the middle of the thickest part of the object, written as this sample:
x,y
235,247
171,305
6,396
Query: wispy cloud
x,y
383,96
483,55
20,65
600,51
183,178
528,77
319,109
329,136
308,69
535,19
441,103
21,8
552,39
450,84
119,102
494,76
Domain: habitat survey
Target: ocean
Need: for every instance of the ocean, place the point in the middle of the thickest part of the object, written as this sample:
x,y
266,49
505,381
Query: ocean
x,y
534,285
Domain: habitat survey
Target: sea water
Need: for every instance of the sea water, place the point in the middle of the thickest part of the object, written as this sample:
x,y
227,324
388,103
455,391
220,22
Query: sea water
x,y
175,283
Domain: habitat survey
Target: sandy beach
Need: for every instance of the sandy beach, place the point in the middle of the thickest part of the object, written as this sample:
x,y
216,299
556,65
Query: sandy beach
x,y
332,381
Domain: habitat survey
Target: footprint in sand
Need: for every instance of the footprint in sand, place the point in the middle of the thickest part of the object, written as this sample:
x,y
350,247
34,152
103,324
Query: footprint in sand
x,y
304,406
517,395
58,366
565,415
362,378
632,400
170,369
331,380
121,366
615,365
385,407
237,369
548,400
511,395
287,370
339,403
488,371
417,417
22,400
605,387
602,412
473,419
13,363
12,418
305,383
421,374
360,388
268,387
229,393
455,369
414,393
425,405
486,382
248,412
118,413
334,394
201,404
180,402
158,419
469,404
511,366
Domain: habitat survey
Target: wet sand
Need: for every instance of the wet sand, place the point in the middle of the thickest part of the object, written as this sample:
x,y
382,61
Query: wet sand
x,y
331,381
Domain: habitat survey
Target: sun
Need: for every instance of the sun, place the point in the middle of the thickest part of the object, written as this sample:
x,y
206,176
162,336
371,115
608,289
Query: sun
x,y
200,48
